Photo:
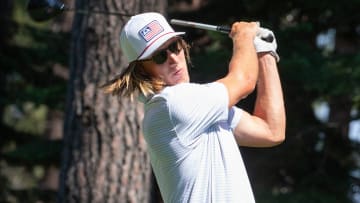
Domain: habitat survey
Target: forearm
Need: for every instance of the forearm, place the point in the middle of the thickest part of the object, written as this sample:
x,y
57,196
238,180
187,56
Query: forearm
x,y
243,67
244,59
269,104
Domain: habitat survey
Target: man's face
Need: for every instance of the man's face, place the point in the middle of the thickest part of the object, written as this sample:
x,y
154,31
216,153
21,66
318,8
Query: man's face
x,y
174,70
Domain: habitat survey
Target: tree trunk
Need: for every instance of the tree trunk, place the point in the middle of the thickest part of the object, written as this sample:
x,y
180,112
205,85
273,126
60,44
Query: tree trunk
x,y
339,118
104,156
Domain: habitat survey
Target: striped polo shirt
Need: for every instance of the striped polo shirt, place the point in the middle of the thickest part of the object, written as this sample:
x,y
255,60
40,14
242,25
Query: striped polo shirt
x,y
193,152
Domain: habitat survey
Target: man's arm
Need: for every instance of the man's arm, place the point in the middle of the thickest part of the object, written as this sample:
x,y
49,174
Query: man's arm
x,y
266,127
243,66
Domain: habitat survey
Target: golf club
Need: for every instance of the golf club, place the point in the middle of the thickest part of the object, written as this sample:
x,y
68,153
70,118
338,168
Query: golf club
x,y
222,29
42,10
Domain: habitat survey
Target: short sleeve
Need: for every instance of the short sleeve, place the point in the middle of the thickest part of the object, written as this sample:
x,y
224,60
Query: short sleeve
x,y
234,116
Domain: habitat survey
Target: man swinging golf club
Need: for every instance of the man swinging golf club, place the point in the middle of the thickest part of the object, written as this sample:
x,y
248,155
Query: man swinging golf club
x,y
193,130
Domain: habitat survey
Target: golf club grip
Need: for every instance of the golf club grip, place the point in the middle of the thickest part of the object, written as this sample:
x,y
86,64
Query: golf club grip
x,y
222,29
227,29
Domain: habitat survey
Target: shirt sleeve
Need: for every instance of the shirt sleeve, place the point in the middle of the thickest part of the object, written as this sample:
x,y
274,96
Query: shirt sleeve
x,y
234,116
194,108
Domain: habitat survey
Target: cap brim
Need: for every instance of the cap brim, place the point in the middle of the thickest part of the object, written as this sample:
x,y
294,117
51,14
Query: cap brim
x,y
157,43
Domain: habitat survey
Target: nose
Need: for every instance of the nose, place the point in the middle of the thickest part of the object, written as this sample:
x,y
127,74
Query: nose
x,y
172,57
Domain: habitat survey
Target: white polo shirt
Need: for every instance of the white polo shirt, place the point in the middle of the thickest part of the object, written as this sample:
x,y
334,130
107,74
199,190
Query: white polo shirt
x,y
193,152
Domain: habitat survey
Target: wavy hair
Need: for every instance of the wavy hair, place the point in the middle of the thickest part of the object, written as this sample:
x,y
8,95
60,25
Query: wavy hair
x,y
134,79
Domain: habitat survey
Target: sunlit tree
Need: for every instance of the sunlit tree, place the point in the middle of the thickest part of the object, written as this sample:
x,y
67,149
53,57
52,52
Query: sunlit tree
x,y
104,157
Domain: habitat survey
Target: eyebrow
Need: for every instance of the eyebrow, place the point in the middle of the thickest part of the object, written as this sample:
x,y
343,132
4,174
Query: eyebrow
x,y
162,47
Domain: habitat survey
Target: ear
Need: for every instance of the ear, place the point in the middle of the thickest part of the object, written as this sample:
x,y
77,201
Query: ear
x,y
148,69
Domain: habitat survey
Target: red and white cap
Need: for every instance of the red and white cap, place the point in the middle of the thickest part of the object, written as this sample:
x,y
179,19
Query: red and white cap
x,y
143,34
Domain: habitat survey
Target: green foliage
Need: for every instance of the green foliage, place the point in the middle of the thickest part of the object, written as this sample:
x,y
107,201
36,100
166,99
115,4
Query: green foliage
x,y
30,90
210,64
308,195
39,151
29,119
298,171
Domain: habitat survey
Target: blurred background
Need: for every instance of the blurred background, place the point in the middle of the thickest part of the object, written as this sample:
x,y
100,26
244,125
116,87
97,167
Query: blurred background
x,y
318,43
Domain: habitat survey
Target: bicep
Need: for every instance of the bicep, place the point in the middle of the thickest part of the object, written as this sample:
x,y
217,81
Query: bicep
x,y
252,131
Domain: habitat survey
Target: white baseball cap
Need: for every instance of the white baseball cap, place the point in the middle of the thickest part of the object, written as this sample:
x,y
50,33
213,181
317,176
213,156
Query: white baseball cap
x,y
143,34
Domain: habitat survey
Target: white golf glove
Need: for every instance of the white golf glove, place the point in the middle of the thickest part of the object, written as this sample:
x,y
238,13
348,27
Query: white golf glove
x,y
263,46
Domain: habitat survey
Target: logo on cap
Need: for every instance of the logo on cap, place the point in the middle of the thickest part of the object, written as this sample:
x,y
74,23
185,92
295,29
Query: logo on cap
x,y
151,30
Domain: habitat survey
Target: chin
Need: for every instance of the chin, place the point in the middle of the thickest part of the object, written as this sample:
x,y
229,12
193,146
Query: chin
x,y
176,82
184,79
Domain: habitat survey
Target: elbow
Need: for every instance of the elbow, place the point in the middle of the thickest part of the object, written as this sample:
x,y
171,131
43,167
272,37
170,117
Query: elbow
x,y
249,84
273,137
276,139
278,134
281,132
239,85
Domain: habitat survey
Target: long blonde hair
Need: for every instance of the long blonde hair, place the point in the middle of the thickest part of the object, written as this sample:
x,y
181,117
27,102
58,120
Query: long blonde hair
x,y
134,79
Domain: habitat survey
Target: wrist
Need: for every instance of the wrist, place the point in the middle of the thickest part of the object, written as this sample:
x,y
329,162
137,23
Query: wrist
x,y
245,41
266,59
270,55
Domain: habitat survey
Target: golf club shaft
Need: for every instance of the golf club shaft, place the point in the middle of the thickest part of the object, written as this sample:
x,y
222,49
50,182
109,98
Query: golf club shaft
x,y
223,29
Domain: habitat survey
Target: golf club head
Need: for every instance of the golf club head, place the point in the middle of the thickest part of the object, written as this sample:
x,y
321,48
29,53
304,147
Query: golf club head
x,y
42,10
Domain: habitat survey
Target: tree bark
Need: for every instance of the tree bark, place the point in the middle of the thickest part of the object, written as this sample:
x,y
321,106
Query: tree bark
x,y
104,157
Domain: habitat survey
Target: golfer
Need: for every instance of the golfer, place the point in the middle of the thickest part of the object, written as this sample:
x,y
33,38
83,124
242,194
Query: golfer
x,y
194,131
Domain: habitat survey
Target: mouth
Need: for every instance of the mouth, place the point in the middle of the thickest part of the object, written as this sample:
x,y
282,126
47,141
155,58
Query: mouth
x,y
177,72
